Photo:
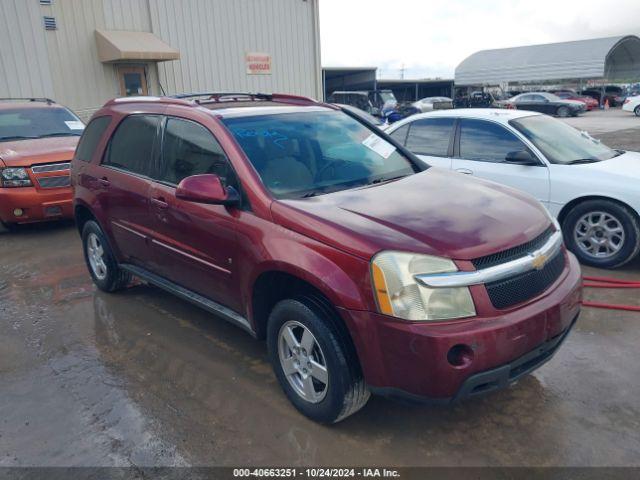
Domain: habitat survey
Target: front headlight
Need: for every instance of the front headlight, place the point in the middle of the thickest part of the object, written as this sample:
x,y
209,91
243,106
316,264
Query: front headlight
x,y
400,295
14,177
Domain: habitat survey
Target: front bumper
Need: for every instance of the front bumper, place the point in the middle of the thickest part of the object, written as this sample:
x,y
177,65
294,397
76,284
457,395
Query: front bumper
x,y
410,359
38,205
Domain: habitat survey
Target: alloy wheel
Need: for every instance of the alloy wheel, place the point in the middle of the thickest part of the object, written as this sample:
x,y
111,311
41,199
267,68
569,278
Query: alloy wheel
x,y
95,254
599,234
303,362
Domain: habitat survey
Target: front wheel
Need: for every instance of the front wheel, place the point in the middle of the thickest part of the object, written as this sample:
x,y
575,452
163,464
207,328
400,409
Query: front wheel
x,y
637,111
563,112
602,233
103,267
314,360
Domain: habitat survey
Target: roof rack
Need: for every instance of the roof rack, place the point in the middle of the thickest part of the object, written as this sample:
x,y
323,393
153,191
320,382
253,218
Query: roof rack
x,y
219,97
28,99
196,99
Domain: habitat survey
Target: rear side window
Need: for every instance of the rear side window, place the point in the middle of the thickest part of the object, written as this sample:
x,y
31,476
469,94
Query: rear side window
x,y
132,146
91,137
190,149
486,141
400,135
430,136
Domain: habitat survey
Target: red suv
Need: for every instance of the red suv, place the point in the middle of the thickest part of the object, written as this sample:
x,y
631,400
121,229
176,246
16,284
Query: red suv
x,y
365,269
37,141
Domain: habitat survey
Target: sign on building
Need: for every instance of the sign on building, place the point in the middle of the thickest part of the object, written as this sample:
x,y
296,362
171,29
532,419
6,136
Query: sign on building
x,y
258,63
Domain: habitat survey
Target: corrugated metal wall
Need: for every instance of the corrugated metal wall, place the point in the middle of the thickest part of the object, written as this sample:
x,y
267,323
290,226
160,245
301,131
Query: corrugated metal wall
x,y
212,36
24,64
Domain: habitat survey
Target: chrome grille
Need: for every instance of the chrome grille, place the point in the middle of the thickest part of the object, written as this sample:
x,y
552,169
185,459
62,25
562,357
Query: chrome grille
x,y
54,182
51,167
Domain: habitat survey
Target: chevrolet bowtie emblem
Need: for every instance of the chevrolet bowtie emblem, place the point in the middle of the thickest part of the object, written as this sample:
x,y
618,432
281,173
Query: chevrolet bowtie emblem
x,y
539,261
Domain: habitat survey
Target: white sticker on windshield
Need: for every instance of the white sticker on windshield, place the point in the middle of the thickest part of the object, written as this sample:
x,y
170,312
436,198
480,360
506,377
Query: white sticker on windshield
x,y
75,125
379,145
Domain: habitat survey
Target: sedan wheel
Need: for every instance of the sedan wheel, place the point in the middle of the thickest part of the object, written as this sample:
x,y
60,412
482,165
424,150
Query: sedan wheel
x,y
602,233
303,362
637,111
563,112
599,234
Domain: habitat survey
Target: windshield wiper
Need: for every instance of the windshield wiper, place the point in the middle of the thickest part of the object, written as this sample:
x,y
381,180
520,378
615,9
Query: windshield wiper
x,y
310,194
583,160
384,180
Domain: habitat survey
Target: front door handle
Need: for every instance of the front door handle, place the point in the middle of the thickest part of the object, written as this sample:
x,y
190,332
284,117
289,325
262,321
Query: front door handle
x,y
160,202
464,171
104,181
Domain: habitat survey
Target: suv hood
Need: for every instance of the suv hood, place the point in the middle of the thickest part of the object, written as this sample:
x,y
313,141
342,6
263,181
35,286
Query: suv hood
x,y
24,153
435,212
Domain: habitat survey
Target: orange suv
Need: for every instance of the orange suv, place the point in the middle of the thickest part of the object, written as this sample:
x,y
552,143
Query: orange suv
x,y
37,140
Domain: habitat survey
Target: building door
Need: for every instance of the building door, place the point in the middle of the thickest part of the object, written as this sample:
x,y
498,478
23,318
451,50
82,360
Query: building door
x,y
133,81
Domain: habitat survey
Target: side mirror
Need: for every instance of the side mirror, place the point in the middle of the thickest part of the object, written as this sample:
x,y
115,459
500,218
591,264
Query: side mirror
x,y
521,157
207,189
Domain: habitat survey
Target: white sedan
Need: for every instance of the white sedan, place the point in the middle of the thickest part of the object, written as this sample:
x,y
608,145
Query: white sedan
x,y
591,188
632,104
433,103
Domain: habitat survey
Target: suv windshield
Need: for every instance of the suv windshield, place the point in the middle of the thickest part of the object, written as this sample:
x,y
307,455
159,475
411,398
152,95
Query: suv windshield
x,y
304,154
28,123
561,143
387,97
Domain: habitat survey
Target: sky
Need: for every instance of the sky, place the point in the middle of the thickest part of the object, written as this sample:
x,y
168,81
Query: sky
x,y
429,38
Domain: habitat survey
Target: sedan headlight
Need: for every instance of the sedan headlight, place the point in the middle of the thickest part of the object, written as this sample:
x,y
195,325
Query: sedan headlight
x,y
400,295
15,177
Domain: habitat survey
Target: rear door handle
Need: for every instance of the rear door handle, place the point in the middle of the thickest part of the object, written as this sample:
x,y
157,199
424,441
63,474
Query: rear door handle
x,y
159,202
464,171
104,181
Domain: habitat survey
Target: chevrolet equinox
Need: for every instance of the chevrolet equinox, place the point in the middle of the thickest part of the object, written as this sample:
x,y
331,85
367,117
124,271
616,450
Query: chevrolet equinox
x,y
366,270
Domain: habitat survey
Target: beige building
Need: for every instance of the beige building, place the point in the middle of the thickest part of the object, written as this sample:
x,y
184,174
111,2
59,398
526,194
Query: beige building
x,y
84,52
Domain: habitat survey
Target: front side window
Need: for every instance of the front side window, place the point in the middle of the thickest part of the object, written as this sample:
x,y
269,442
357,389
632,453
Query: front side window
x,y
132,145
486,141
430,136
190,149
561,143
91,137
29,123
303,154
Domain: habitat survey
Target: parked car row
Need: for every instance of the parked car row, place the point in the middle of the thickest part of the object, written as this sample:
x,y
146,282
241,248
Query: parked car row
x,y
306,225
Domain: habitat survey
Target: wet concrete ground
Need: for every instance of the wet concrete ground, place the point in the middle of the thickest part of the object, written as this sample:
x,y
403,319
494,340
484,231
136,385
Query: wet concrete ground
x,y
142,378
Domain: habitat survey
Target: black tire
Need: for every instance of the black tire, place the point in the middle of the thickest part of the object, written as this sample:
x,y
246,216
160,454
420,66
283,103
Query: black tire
x,y
637,111
115,278
346,392
563,112
627,219
4,228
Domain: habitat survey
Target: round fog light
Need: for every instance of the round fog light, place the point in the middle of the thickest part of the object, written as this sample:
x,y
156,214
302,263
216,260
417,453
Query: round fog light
x,y
18,212
460,356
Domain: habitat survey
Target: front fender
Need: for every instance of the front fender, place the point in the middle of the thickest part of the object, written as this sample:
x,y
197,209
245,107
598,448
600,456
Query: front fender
x,y
342,278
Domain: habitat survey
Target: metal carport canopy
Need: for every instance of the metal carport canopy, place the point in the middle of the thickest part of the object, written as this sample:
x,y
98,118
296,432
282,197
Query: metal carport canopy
x,y
612,58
